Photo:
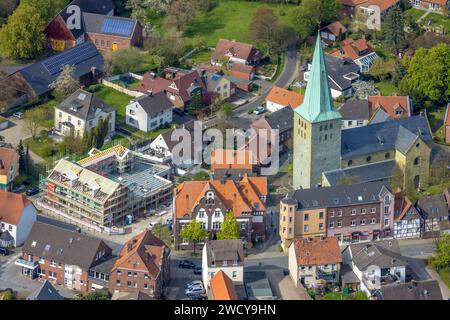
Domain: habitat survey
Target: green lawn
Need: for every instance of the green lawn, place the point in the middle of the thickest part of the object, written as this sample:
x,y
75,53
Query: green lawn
x,y
115,99
200,56
415,13
438,20
386,88
445,276
435,118
230,20
115,141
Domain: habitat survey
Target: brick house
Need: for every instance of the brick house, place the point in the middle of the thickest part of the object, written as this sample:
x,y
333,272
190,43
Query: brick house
x,y
143,266
65,257
349,212
208,202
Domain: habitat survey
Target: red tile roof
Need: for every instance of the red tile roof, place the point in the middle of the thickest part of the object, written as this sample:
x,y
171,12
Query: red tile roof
x,y
153,83
145,253
383,4
11,206
242,196
239,50
7,156
229,159
336,28
222,287
351,48
285,97
389,104
317,251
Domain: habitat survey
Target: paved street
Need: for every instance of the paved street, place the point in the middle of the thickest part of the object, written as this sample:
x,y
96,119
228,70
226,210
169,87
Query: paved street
x,y
417,248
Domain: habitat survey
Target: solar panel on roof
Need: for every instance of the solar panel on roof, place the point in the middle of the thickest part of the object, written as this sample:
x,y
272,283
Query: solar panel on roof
x,y
117,26
71,57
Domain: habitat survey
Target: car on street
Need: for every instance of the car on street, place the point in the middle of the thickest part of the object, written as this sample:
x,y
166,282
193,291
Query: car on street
x,y
198,270
194,291
18,115
194,283
4,251
259,110
151,225
32,192
186,264
198,297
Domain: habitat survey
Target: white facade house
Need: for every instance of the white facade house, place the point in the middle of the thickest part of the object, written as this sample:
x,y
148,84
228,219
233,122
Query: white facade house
x,y
82,111
16,219
434,5
149,112
225,255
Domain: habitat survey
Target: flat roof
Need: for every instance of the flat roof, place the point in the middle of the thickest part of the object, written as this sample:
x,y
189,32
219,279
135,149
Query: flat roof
x,y
257,285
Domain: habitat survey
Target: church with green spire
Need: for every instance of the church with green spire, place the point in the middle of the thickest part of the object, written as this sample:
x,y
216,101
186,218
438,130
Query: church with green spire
x,y
317,128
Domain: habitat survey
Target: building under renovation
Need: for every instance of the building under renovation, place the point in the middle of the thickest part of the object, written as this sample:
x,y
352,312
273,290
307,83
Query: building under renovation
x,y
108,188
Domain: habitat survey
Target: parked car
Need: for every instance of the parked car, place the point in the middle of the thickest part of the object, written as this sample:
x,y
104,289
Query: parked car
x,y
32,191
186,264
4,251
18,115
198,297
198,270
259,110
194,291
194,283
151,225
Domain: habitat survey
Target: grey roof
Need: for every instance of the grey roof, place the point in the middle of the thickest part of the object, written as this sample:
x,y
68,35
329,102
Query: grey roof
x,y
377,171
355,110
83,104
238,80
433,207
337,68
257,285
380,116
60,245
93,23
414,290
347,275
337,196
105,264
154,103
229,250
45,292
282,119
40,78
384,136
384,254
5,236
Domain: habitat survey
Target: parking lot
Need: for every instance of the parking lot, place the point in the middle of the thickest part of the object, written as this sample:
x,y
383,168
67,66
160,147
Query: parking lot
x,y
180,277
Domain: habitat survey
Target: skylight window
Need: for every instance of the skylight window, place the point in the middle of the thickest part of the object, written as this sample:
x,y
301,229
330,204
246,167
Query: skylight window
x,y
33,244
360,198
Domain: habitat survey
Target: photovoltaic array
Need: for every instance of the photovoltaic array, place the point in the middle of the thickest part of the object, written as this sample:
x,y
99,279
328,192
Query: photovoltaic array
x,y
117,26
71,57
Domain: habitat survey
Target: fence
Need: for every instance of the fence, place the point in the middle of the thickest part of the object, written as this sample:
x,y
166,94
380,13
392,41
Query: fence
x,y
109,83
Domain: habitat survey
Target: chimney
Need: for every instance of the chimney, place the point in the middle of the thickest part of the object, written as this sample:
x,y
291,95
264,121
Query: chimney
x,y
152,75
94,71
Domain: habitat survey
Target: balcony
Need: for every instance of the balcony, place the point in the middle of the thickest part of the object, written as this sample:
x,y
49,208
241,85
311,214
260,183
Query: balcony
x,y
32,265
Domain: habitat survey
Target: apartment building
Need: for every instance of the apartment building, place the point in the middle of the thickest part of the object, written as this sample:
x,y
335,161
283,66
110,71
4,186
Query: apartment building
x,y
64,257
108,188
349,212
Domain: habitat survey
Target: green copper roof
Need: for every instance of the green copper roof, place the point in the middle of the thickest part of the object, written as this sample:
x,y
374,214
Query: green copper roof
x,y
318,103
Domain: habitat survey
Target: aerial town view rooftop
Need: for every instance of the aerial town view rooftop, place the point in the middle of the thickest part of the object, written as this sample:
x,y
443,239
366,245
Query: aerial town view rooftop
x,y
258,150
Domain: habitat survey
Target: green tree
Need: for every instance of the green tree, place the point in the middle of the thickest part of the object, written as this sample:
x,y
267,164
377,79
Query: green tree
x,y
398,73
96,295
428,75
226,111
393,31
21,153
382,69
22,36
441,258
126,60
162,232
229,228
28,161
33,120
194,232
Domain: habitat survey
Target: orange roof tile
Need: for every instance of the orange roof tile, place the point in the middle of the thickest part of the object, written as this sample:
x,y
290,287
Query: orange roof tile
x,y
229,159
143,252
243,196
383,4
238,49
7,156
336,28
11,206
317,251
389,104
351,48
222,287
285,97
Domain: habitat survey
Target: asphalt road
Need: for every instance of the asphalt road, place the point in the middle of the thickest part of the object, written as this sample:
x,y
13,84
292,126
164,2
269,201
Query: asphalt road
x,y
241,118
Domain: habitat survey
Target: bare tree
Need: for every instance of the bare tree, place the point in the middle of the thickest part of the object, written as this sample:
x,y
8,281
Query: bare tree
x,y
65,84
33,119
181,12
439,169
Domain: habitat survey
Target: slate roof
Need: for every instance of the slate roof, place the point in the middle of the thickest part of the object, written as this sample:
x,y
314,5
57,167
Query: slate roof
x,y
93,23
338,196
355,110
155,103
83,104
337,69
376,171
380,116
45,292
398,135
39,78
282,119
433,207
414,290
229,250
384,253
54,243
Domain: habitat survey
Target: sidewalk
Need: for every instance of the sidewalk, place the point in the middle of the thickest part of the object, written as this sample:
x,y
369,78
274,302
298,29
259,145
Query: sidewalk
x,y
444,289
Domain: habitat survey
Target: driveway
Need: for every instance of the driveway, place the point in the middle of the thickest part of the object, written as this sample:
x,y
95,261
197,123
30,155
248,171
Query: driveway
x,y
179,277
